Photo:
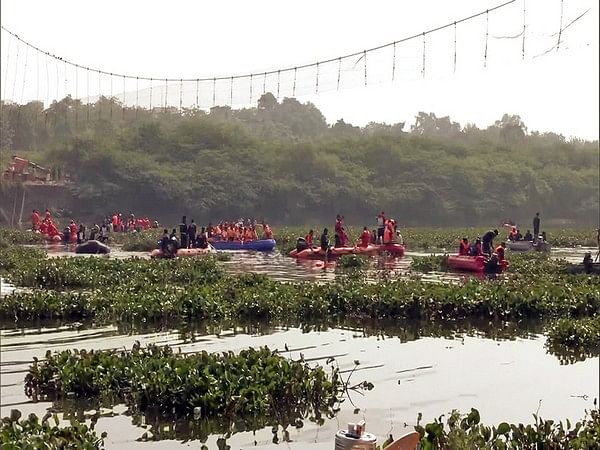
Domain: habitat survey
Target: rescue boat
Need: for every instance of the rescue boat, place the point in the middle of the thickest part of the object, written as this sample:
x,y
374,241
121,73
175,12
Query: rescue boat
x,y
336,252
474,264
184,252
260,245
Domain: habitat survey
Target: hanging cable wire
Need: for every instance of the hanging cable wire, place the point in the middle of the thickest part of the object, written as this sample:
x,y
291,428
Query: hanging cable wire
x,y
16,72
150,94
231,92
294,88
250,88
214,91
339,73
24,75
394,63
197,93
166,92
423,70
278,83
365,57
317,80
454,69
87,112
123,103
560,28
524,27
487,33
295,68
180,96
265,82
7,66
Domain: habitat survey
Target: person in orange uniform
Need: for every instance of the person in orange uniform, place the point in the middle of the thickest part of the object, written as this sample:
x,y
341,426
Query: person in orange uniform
x,y
35,220
48,215
44,227
115,222
500,251
309,238
72,231
253,235
388,233
365,238
464,248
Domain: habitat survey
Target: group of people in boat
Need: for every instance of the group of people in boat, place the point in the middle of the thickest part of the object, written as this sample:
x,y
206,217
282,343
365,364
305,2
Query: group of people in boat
x,y
515,234
386,233
191,236
482,246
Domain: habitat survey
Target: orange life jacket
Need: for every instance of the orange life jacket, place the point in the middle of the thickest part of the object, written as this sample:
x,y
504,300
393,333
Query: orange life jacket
x,y
464,248
500,252
365,238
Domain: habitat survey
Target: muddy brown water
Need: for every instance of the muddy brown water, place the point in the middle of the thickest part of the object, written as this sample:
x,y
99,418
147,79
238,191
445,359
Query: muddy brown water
x,y
507,380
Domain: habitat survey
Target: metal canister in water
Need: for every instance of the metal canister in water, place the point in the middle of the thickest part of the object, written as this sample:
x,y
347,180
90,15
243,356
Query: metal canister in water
x,y
355,438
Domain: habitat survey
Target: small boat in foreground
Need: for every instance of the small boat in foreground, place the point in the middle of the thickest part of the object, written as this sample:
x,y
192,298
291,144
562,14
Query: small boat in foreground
x,y
475,264
260,245
184,252
526,246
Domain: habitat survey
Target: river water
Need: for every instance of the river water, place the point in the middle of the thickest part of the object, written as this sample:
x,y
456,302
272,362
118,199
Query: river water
x,y
506,379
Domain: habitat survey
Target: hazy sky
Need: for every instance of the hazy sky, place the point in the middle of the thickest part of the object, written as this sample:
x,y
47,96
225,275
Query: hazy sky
x,y
188,39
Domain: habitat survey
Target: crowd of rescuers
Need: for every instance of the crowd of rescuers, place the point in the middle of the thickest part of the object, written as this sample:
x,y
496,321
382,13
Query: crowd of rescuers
x,y
192,237
482,246
79,233
386,233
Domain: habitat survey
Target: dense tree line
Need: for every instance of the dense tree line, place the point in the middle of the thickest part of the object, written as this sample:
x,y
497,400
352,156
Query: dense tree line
x,y
282,161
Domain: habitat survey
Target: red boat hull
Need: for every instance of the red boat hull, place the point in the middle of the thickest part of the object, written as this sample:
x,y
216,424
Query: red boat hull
x,y
471,263
317,253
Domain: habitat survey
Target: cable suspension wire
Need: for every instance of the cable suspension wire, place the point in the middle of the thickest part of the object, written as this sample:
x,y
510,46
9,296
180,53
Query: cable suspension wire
x,y
287,69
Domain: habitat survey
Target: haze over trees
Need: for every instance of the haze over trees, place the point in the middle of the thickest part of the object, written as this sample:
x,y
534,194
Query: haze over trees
x,y
282,161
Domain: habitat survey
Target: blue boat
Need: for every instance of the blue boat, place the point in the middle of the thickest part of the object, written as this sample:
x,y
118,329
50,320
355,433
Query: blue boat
x,y
261,245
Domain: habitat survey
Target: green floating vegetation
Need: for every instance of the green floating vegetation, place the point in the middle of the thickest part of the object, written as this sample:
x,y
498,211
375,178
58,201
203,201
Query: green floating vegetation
x,y
254,383
30,268
11,236
429,263
466,432
144,241
574,339
352,262
32,434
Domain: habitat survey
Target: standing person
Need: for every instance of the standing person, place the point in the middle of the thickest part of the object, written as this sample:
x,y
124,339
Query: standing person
x,y
104,232
192,230
536,226
380,227
325,240
202,239
35,220
487,241
339,230
183,233
81,234
72,231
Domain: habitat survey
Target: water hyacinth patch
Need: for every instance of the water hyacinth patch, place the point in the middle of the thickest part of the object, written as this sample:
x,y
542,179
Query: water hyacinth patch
x,y
255,382
32,434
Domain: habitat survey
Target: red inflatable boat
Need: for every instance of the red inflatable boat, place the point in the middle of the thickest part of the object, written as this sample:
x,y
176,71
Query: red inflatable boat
x,y
336,252
472,263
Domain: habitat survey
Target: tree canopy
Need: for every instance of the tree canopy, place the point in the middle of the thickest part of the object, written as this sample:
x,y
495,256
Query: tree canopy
x,y
282,161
